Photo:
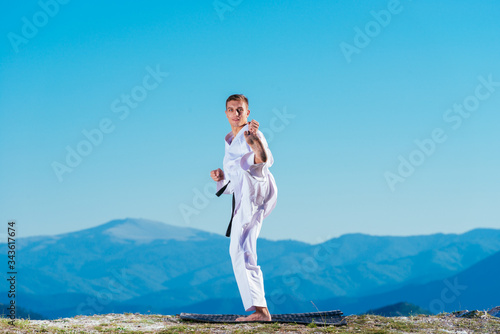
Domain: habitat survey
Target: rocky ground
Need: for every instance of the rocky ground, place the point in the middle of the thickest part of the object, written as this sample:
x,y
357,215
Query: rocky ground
x,y
459,322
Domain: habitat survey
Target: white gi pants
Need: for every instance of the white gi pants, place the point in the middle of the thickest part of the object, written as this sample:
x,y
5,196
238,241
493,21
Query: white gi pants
x,y
247,222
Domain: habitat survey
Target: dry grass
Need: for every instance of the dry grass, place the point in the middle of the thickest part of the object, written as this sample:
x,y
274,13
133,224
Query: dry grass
x,y
139,323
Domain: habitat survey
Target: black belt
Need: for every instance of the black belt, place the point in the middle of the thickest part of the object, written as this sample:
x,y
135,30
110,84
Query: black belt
x,y
220,192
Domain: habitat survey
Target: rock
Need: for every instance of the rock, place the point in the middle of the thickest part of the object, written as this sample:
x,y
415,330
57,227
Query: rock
x,y
495,312
470,314
458,314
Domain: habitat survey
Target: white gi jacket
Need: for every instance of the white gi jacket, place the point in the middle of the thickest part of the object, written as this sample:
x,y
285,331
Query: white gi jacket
x,y
255,193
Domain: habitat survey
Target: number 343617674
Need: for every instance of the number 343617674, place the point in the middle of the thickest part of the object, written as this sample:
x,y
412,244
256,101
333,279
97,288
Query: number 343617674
x,y
11,243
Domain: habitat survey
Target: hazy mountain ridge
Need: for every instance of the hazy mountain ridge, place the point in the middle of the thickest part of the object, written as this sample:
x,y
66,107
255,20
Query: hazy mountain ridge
x,y
474,288
145,265
399,310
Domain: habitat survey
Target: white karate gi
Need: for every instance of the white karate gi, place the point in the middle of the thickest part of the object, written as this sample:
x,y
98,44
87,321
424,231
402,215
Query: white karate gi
x,y
255,194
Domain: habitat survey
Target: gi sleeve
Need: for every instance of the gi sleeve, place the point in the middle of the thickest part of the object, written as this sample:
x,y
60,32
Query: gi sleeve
x,y
247,162
222,183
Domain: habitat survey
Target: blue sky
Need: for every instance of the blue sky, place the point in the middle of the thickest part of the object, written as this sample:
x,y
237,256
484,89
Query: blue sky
x,y
342,126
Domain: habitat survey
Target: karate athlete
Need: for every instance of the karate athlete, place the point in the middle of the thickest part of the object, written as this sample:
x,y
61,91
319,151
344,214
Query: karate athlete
x,y
246,175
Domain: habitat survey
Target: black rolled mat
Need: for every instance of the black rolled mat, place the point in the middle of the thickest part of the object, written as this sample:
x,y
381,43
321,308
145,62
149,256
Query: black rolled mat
x,y
319,318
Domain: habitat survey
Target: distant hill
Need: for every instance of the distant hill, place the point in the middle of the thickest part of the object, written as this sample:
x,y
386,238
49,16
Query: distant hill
x,y
399,310
138,265
475,288
21,313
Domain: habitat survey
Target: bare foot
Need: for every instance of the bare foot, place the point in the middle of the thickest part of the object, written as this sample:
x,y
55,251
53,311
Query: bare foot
x,y
261,314
257,147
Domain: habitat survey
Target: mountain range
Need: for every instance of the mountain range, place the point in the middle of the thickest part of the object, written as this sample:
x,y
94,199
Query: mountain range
x,y
401,309
137,265
476,288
